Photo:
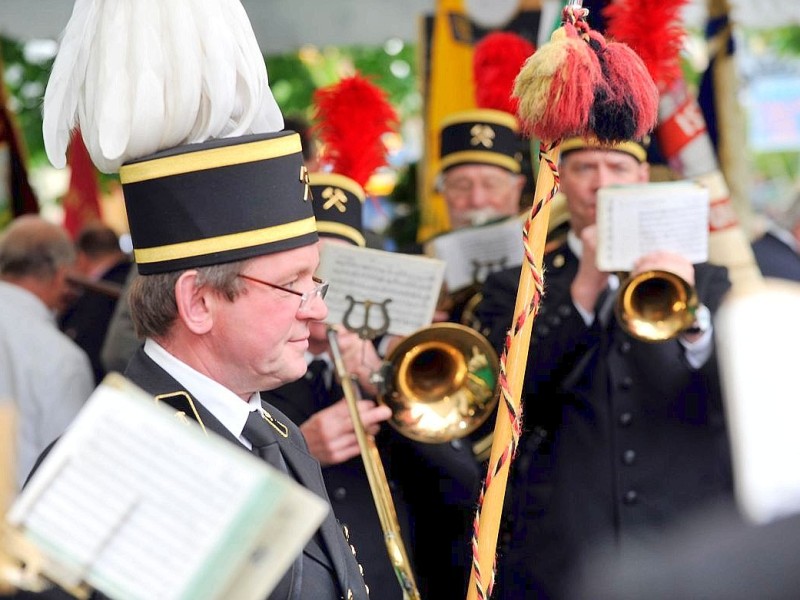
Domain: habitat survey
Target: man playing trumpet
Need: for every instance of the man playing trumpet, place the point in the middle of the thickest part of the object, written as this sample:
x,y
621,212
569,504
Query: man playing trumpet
x,y
628,435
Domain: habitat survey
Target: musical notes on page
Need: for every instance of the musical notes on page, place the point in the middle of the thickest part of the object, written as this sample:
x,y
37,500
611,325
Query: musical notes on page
x,y
381,291
635,220
140,505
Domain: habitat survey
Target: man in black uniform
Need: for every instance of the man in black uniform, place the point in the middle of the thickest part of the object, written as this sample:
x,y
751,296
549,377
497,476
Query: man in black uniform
x,y
635,433
225,296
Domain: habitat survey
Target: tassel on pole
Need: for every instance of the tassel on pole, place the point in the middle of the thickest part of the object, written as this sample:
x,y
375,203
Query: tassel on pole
x,y
575,85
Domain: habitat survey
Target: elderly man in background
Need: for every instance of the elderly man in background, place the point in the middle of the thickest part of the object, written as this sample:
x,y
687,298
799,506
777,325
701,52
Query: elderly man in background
x,y
44,372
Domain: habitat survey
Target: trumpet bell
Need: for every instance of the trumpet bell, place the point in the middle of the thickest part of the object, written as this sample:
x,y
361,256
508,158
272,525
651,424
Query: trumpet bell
x,y
655,305
441,383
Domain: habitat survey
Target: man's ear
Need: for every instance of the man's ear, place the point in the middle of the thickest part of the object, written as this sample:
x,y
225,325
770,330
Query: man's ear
x,y
194,310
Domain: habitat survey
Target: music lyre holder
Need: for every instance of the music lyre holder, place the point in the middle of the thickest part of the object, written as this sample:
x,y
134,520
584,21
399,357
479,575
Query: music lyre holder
x,y
364,331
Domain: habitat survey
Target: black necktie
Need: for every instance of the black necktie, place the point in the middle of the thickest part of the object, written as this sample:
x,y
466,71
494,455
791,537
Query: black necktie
x,y
263,436
315,376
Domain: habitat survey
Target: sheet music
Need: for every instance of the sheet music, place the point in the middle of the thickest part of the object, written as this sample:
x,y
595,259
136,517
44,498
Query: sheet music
x,y
140,505
762,403
472,253
407,287
634,220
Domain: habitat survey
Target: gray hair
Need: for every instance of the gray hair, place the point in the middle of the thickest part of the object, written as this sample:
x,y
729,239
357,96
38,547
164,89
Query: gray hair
x,y
33,247
152,297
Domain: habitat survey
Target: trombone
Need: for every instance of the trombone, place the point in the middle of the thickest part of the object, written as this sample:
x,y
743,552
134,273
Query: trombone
x,y
441,383
376,476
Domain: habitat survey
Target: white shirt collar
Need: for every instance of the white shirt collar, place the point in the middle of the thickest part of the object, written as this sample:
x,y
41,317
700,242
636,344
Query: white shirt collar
x,y
574,243
221,402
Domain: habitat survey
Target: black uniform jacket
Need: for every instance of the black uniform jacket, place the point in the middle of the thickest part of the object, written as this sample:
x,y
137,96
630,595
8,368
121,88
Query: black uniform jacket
x,y
153,379
350,494
635,436
775,258
86,320
433,487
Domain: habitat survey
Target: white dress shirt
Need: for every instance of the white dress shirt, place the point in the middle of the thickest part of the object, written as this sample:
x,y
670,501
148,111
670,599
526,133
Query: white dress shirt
x,y
228,408
42,371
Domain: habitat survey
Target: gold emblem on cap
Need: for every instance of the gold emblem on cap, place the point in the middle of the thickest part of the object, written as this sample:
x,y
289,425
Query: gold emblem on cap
x,y
334,197
304,179
558,261
482,135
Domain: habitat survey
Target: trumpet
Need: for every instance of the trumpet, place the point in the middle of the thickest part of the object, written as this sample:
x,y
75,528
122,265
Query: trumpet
x,y
381,495
656,305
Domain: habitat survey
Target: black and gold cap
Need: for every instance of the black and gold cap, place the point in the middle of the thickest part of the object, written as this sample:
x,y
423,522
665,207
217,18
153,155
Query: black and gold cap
x,y
481,136
338,203
218,201
636,149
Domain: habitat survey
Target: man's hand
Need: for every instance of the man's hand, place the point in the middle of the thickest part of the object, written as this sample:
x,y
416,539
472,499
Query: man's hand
x,y
330,434
360,358
665,261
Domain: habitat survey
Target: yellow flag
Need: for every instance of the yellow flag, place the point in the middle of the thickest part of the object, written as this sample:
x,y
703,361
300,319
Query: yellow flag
x,y
448,88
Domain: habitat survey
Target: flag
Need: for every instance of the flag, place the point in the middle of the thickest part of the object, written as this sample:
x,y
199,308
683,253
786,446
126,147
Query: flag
x,y
448,88
82,201
16,195
447,47
718,99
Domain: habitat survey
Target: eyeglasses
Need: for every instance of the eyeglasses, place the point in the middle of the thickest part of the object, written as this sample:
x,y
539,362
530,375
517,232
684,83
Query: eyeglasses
x,y
318,291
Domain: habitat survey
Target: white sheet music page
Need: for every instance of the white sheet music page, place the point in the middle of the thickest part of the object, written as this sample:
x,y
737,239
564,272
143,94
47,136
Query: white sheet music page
x,y
141,505
374,288
634,220
472,253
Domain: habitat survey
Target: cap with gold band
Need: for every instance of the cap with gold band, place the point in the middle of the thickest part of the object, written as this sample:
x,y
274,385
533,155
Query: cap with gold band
x,y
218,201
338,202
481,136
635,149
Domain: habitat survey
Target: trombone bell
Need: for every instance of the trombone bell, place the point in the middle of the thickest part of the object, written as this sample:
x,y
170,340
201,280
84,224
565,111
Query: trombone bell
x,y
440,382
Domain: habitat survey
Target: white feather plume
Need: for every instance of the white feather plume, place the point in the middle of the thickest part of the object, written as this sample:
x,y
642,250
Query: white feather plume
x,y
139,76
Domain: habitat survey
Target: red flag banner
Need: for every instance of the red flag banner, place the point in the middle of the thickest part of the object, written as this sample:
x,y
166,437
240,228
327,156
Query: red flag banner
x,y
82,201
16,194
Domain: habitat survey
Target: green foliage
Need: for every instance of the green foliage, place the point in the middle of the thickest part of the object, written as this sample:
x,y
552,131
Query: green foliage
x,y
25,83
403,229
293,78
783,41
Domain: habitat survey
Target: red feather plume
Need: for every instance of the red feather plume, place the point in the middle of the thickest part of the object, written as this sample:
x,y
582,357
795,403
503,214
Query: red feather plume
x,y
496,62
351,118
653,29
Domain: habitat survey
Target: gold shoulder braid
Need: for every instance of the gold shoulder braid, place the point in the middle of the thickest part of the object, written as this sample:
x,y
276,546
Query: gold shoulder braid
x,y
276,425
183,404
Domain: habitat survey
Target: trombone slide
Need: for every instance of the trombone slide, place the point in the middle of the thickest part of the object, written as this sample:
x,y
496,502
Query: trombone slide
x,y
377,479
